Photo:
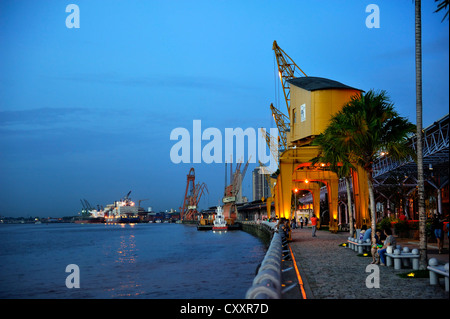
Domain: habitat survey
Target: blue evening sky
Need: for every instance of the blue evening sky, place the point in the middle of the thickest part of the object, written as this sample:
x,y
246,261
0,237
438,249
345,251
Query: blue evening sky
x,y
87,113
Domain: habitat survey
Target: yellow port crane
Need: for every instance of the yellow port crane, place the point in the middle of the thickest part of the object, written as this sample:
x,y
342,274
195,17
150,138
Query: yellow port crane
x,y
287,70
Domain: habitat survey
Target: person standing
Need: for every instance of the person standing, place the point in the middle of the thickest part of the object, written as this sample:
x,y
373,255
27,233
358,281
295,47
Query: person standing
x,y
293,223
438,228
314,225
301,222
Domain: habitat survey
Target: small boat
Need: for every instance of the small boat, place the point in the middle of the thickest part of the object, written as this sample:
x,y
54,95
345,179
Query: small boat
x,y
219,222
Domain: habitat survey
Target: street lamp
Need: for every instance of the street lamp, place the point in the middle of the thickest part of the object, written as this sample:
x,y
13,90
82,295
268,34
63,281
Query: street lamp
x,y
295,204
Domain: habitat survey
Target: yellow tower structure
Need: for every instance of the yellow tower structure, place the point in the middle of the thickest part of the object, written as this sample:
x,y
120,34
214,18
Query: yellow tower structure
x,y
311,102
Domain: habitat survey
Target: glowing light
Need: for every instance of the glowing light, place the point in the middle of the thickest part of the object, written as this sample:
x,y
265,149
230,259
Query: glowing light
x,y
411,274
296,190
306,181
365,255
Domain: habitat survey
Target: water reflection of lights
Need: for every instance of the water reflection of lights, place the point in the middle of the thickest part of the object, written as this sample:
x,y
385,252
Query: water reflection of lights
x,y
127,253
121,224
219,231
127,250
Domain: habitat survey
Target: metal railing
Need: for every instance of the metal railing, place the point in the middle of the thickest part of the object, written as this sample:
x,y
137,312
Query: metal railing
x,y
268,281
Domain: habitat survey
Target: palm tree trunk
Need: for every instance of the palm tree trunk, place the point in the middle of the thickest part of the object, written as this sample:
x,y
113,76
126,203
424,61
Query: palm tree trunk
x,y
349,205
373,214
420,177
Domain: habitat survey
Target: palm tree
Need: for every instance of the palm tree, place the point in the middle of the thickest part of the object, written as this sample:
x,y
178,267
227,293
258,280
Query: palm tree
x,y
443,5
337,161
366,126
419,136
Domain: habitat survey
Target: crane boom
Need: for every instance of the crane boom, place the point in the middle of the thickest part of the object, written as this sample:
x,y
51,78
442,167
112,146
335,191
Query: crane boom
x,y
238,183
274,147
282,122
200,190
287,69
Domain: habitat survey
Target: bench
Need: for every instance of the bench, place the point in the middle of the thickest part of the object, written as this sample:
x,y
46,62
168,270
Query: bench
x,y
436,271
359,245
402,257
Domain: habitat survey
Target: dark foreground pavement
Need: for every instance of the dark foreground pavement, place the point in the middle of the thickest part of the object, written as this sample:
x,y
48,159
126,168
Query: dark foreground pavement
x,y
329,271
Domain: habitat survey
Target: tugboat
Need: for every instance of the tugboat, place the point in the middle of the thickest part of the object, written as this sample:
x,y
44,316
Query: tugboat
x,y
219,223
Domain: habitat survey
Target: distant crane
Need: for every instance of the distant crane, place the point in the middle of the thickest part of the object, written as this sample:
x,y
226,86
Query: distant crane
x,y
87,207
141,200
233,191
85,210
127,196
192,197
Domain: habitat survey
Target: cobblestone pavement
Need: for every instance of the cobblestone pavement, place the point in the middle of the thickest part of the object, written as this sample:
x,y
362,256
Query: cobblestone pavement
x,y
330,271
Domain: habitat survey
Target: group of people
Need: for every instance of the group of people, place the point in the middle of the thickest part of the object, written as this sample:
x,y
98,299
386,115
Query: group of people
x,y
313,220
386,239
383,238
382,241
379,247
301,221
285,226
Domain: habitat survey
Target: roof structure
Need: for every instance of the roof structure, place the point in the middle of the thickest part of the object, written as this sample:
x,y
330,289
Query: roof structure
x,y
388,172
435,152
313,83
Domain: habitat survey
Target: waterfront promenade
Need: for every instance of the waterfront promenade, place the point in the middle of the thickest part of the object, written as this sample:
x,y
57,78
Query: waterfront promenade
x,y
329,271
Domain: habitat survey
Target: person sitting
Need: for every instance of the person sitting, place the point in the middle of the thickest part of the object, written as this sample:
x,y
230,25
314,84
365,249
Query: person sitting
x,y
367,234
362,232
389,241
284,226
378,244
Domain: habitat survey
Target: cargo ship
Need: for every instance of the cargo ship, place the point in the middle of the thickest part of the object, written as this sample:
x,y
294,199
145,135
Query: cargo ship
x,y
121,211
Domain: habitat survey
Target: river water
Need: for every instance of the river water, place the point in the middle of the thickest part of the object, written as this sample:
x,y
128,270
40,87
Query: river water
x,y
155,261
